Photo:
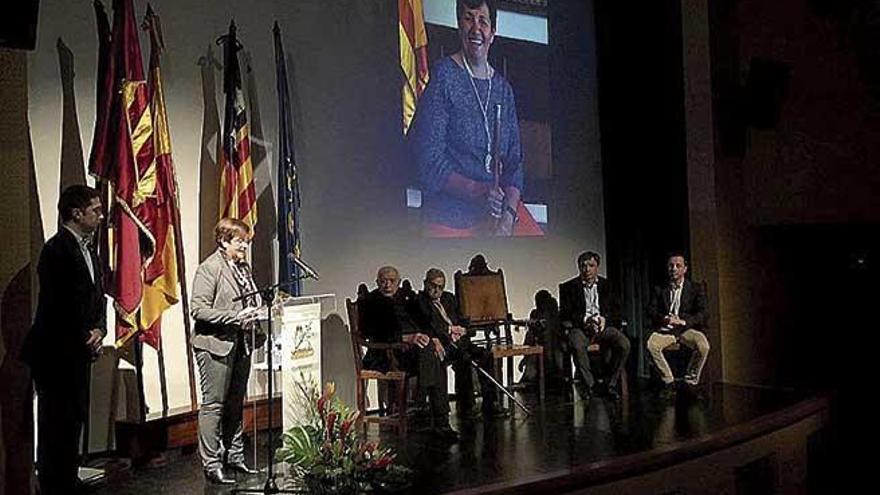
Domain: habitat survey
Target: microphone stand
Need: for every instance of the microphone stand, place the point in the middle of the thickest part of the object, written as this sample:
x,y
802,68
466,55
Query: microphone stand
x,y
267,294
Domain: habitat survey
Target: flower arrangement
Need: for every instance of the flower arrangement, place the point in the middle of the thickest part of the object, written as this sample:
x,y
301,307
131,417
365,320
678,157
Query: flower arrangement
x,y
329,456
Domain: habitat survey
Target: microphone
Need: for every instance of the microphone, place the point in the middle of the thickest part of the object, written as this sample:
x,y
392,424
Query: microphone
x,y
309,271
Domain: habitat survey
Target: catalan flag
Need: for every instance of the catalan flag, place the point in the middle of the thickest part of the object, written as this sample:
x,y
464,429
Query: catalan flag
x,y
238,198
161,274
413,56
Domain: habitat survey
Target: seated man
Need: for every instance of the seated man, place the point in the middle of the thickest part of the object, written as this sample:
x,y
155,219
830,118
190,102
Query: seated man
x,y
438,313
544,330
677,313
478,265
590,311
386,317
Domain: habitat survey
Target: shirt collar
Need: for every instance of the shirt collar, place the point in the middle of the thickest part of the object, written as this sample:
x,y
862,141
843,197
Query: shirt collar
x,y
84,241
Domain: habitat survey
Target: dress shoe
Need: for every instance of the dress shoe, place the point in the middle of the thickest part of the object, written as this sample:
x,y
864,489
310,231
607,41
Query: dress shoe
x,y
217,477
241,467
668,391
446,433
612,393
495,410
583,392
469,413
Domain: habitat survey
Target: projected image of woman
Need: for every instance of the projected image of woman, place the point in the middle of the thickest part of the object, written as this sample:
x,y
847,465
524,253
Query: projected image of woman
x,y
452,139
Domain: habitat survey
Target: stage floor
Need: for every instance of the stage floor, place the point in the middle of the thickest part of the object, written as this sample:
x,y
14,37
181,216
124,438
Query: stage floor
x,y
562,436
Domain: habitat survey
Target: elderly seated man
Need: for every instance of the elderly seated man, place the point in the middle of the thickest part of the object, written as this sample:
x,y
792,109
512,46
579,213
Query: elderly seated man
x,y
386,315
437,312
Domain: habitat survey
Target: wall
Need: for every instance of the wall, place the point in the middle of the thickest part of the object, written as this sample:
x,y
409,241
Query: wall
x,y
23,235
813,178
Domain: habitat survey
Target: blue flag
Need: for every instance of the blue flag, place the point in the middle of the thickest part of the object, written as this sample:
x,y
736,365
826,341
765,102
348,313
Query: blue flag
x,y
288,182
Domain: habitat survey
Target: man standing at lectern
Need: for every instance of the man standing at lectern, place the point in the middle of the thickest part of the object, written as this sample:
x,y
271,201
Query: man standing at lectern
x,y
69,326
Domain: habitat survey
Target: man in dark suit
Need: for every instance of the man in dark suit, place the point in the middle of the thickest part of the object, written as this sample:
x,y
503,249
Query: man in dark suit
x,y
387,315
590,312
437,312
68,329
677,313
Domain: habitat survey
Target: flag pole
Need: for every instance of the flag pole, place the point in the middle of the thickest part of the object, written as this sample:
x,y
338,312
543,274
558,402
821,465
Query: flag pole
x,y
154,26
163,381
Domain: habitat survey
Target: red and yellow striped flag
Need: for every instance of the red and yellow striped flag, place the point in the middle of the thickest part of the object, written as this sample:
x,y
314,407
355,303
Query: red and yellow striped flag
x,y
238,198
413,56
161,275
123,156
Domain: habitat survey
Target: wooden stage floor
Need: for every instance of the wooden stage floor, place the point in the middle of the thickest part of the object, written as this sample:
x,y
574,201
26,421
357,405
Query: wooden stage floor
x,y
565,444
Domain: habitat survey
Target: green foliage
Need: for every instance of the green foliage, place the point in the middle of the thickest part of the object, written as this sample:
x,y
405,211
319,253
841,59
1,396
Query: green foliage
x,y
328,454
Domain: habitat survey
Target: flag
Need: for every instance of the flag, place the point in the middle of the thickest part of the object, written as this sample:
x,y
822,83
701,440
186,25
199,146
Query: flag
x,y
238,198
103,94
123,157
162,216
103,100
413,55
288,181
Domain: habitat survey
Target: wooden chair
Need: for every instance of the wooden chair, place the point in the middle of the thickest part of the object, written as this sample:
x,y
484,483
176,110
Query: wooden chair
x,y
397,417
482,300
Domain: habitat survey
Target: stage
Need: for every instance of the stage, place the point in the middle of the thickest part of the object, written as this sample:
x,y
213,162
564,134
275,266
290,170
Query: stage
x,y
728,439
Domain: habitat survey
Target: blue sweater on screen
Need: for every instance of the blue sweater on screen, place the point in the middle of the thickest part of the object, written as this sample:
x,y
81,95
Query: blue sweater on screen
x,y
448,135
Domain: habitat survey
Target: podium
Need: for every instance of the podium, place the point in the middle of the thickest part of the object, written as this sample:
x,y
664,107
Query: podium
x,y
296,352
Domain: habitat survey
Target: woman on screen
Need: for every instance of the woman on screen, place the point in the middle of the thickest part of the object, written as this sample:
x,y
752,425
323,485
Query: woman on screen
x,y
452,139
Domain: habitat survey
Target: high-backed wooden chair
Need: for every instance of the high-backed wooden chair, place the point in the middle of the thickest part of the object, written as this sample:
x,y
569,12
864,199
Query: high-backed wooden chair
x,y
396,417
482,300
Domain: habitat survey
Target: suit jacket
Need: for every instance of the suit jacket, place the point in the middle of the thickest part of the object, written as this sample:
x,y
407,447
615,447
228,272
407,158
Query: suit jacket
x,y
216,328
573,304
385,319
430,319
69,306
692,308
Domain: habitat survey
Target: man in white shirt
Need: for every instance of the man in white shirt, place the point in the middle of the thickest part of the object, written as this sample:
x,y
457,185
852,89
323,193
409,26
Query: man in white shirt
x,y
677,313
66,335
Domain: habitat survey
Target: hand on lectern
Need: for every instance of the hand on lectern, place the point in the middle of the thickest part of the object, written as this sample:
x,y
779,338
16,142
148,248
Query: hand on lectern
x,y
248,314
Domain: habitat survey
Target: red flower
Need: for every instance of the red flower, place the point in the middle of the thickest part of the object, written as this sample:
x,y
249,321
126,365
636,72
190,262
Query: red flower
x,y
322,402
346,425
331,423
381,462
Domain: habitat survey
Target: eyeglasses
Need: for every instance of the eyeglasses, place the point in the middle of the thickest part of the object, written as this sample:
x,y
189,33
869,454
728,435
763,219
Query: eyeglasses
x,y
240,241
